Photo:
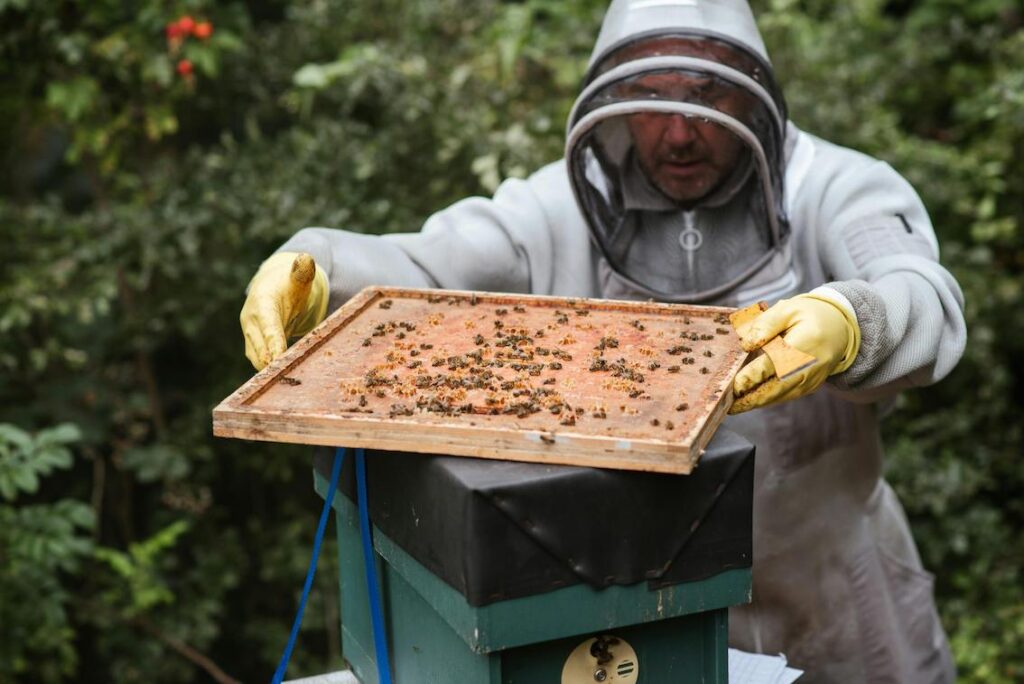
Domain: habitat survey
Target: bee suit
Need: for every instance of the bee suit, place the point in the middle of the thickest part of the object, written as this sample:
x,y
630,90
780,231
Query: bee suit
x,y
837,582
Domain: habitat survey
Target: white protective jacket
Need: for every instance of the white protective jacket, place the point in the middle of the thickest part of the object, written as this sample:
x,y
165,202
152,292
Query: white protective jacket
x,y
838,583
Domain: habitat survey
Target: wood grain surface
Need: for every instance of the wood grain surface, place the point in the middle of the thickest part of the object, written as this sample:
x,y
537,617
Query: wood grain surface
x,y
613,384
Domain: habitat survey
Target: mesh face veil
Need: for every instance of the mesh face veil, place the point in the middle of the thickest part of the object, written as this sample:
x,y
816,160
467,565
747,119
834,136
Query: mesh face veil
x,y
675,154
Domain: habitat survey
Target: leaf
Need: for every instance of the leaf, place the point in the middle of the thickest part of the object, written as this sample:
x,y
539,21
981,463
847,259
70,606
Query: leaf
x,y
65,433
13,438
23,458
310,76
73,98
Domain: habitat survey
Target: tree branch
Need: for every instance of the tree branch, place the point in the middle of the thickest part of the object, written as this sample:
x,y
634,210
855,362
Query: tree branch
x,y
186,652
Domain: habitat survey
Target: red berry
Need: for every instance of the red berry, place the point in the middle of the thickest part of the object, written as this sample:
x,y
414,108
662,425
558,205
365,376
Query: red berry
x,y
203,30
185,67
173,31
186,24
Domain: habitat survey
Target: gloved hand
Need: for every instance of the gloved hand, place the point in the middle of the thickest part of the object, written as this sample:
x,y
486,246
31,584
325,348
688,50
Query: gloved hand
x,y
287,298
813,324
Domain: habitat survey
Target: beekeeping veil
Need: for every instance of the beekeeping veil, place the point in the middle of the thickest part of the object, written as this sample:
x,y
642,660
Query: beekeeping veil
x,y
703,61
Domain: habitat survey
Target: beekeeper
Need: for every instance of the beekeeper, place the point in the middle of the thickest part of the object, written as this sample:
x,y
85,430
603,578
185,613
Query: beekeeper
x,y
683,181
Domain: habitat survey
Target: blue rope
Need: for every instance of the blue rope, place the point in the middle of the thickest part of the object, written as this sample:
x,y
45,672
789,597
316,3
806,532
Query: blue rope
x,y
339,456
380,643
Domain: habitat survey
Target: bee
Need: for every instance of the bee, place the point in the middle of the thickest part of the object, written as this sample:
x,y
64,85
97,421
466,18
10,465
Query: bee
x,y
400,410
386,304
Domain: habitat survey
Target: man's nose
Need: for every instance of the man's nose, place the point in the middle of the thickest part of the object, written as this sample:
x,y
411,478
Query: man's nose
x,y
679,130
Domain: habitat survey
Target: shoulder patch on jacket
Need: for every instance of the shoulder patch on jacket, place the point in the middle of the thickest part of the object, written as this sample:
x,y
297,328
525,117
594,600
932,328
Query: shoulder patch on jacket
x,y
879,236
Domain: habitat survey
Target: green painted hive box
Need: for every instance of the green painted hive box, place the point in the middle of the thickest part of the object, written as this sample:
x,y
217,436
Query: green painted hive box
x,y
496,572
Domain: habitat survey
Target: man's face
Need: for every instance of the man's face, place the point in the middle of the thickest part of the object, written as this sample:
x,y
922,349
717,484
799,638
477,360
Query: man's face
x,y
684,158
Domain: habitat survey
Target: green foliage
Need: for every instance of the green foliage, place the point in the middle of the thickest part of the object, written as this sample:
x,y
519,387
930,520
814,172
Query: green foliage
x,y
110,71
139,588
41,544
23,458
119,301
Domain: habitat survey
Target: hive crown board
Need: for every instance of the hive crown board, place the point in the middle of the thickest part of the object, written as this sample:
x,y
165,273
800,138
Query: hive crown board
x,y
611,384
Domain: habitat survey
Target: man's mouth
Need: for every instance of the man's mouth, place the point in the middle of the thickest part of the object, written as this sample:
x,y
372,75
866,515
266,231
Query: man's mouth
x,y
682,165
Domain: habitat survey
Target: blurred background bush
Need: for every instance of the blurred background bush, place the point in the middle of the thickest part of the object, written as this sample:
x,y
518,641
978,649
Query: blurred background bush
x,y
154,152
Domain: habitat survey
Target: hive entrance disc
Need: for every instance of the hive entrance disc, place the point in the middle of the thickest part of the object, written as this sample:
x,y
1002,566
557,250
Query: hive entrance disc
x,y
589,663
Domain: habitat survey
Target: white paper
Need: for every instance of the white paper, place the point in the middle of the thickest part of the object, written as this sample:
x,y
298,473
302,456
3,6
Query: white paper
x,y
754,668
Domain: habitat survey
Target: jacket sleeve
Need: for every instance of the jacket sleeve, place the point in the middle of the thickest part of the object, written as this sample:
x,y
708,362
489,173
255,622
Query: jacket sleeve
x,y
878,248
499,244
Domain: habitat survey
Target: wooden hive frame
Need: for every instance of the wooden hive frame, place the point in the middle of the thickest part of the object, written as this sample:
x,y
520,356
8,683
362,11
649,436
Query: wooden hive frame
x,y
299,399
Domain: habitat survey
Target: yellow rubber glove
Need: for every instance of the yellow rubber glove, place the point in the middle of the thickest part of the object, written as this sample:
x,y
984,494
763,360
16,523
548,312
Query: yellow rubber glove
x,y
813,324
287,298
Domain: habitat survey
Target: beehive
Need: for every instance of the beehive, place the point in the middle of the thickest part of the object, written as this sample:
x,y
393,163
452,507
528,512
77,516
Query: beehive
x,y
628,385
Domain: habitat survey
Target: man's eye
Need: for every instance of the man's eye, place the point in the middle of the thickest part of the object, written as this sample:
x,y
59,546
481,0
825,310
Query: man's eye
x,y
703,90
710,92
641,92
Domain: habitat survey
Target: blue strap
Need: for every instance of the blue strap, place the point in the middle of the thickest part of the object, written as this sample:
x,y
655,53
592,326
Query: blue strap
x,y
380,643
339,456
